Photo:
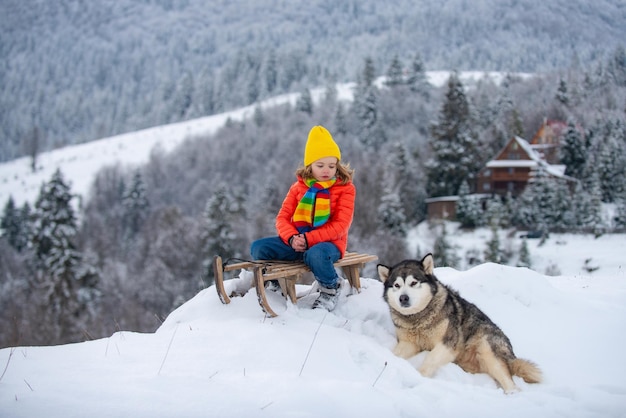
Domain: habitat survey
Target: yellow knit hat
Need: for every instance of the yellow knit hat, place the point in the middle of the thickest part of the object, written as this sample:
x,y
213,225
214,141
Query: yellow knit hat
x,y
320,144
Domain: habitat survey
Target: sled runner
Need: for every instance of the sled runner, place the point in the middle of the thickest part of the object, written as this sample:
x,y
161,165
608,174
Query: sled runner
x,y
287,273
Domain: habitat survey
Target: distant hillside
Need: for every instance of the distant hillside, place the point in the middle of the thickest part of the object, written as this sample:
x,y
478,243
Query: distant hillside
x,y
77,71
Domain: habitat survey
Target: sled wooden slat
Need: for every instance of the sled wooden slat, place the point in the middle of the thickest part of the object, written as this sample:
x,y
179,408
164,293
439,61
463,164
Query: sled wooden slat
x,y
287,273
218,270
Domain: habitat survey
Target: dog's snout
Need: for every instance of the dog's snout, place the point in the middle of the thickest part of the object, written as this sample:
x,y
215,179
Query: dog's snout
x,y
404,300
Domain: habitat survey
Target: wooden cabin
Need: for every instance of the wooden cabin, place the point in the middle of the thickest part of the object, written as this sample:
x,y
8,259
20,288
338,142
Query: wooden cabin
x,y
510,170
443,207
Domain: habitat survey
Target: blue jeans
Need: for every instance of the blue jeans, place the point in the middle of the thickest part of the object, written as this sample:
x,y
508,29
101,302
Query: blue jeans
x,y
319,258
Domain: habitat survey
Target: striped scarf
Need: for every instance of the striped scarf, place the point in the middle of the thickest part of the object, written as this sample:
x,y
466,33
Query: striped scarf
x,y
313,210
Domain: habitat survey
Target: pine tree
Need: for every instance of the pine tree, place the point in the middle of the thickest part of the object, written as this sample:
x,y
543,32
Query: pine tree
x,y
573,152
304,103
416,79
408,183
366,108
136,205
590,169
369,73
370,133
456,155
54,220
443,251
562,95
546,204
515,123
270,72
23,238
205,92
220,236
524,255
533,209
581,207
493,252
341,127
595,221
499,119
509,209
616,67
68,284
253,88
562,214
610,162
183,97
32,143
10,224
496,212
589,207
390,213
394,73
258,117
468,210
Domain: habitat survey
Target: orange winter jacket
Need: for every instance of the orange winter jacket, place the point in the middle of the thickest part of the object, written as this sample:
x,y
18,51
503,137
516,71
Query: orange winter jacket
x,y
335,230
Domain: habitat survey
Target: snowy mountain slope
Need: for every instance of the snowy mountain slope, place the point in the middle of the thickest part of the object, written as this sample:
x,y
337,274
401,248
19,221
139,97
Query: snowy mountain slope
x,y
80,163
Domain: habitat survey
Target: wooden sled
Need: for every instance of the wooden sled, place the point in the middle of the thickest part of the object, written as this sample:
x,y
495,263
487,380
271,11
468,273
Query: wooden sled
x,y
287,273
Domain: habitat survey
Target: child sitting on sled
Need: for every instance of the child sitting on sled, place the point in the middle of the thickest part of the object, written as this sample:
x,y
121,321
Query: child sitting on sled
x,y
315,217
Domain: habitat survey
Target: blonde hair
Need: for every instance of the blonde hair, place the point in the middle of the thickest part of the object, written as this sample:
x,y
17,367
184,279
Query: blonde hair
x,y
344,172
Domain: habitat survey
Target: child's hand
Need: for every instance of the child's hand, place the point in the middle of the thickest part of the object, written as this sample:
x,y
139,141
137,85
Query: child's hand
x,y
298,243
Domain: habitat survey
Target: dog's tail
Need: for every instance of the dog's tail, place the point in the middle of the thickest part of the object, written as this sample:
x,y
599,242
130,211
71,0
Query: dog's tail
x,y
525,369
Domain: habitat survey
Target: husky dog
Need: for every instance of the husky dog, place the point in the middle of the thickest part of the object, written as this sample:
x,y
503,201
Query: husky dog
x,y
430,316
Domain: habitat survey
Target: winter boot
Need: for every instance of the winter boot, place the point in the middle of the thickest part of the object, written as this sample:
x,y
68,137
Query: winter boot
x,y
328,298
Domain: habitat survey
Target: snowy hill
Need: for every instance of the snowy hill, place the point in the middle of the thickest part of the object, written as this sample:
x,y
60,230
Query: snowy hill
x,y
214,360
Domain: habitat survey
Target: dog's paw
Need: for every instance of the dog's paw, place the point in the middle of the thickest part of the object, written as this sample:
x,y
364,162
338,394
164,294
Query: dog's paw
x,y
427,371
511,390
405,350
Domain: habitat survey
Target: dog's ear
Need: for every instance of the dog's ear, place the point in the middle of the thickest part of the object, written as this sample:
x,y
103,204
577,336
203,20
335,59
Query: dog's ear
x,y
383,272
428,263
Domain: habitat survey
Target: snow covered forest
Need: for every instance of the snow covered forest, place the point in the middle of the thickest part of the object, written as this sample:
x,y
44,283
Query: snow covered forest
x,y
143,241
74,71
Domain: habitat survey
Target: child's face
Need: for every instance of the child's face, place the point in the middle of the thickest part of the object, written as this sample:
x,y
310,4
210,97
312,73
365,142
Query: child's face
x,y
324,168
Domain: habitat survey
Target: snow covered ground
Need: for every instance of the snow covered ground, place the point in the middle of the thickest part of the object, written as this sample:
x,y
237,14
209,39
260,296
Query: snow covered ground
x,y
562,254
215,360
